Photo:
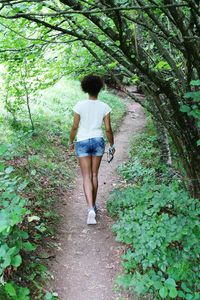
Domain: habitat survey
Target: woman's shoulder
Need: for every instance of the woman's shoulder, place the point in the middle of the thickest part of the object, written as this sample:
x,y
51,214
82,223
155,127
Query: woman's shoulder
x,y
104,104
79,106
80,102
105,108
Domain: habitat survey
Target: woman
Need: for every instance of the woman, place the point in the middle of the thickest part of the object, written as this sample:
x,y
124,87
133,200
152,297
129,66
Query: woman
x,y
89,116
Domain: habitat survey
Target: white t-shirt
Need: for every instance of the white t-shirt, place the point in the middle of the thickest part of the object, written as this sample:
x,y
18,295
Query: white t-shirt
x,y
92,113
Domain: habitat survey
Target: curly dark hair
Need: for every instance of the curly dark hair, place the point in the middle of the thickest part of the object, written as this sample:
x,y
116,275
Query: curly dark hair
x,y
92,84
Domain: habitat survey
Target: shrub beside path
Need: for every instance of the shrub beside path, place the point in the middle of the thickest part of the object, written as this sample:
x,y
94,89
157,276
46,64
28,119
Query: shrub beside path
x,y
87,259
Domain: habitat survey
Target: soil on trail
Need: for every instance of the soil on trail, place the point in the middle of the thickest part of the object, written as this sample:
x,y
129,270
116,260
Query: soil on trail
x,y
88,258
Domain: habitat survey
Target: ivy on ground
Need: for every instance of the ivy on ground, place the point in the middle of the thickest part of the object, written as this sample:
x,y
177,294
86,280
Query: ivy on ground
x,y
17,237
160,224
13,237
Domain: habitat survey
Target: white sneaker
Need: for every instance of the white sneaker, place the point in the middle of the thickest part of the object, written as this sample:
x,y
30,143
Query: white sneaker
x,y
91,217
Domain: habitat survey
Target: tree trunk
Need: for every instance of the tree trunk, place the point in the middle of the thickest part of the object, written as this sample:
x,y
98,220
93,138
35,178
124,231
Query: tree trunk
x,y
163,141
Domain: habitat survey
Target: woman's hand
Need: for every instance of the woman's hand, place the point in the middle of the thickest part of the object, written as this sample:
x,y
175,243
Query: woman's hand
x,y
71,147
70,150
112,149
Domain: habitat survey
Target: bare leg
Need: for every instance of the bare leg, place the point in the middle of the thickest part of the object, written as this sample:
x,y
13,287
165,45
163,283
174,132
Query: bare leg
x,y
86,169
96,161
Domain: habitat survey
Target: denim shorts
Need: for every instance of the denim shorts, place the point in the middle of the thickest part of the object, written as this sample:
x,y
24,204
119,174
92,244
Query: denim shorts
x,y
90,147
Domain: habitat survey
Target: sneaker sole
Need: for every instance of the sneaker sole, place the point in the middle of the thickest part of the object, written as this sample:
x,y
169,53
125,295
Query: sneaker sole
x,y
91,218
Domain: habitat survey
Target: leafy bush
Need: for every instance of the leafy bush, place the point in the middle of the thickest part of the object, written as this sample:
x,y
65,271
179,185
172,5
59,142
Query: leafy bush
x,y
193,109
134,171
144,162
13,237
160,224
156,221
118,107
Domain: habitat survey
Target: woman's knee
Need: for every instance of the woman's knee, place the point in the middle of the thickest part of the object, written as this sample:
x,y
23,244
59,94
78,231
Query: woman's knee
x,y
94,175
87,177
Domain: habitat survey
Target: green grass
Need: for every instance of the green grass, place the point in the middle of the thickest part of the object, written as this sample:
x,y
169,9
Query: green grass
x,y
53,115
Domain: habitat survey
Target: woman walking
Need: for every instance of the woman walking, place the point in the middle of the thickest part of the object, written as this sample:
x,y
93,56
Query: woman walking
x,y
89,116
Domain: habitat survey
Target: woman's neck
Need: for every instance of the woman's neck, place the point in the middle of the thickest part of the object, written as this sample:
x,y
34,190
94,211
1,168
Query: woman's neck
x,y
91,97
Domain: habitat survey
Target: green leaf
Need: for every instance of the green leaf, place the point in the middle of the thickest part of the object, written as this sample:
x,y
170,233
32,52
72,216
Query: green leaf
x,y
23,293
29,246
189,297
1,167
33,218
184,287
117,43
3,149
173,292
9,170
185,108
33,172
51,296
162,65
195,82
163,292
16,261
22,185
140,288
194,95
181,294
170,282
23,234
4,220
9,288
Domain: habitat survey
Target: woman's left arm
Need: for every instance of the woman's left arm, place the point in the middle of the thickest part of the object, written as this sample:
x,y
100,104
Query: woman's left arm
x,y
74,130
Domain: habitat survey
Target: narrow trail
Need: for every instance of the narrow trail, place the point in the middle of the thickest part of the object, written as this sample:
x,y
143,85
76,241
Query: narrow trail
x,y
87,260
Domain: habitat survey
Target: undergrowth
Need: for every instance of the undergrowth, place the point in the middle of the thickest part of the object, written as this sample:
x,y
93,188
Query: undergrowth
x,y
159,223
34,173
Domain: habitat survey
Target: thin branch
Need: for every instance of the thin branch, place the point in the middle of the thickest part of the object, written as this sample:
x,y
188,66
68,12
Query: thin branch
x,y
157,22
165,12
131,95
53,27
16,50
12,2
97,11
101,24
52,41
169,38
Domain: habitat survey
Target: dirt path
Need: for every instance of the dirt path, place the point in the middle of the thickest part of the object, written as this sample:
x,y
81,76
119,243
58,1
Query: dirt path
x,y
88,258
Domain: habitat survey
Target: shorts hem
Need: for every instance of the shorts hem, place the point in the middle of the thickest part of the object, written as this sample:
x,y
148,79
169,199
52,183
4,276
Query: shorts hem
x,y
85,155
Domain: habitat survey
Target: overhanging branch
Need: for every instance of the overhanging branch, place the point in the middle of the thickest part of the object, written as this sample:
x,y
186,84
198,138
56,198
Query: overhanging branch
x,y
94,11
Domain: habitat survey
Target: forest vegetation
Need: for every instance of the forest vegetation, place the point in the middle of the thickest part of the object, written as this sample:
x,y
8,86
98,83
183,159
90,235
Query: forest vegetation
x,y
153,44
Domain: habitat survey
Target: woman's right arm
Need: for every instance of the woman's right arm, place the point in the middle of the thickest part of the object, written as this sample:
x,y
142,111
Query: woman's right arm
x,y
109,132
74,130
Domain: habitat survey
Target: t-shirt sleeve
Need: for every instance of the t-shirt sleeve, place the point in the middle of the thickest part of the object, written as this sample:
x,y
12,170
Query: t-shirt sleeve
x,y
107,109
77,108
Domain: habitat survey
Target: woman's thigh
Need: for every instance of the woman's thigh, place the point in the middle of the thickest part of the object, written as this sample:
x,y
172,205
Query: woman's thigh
x,y
86,165
96,161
